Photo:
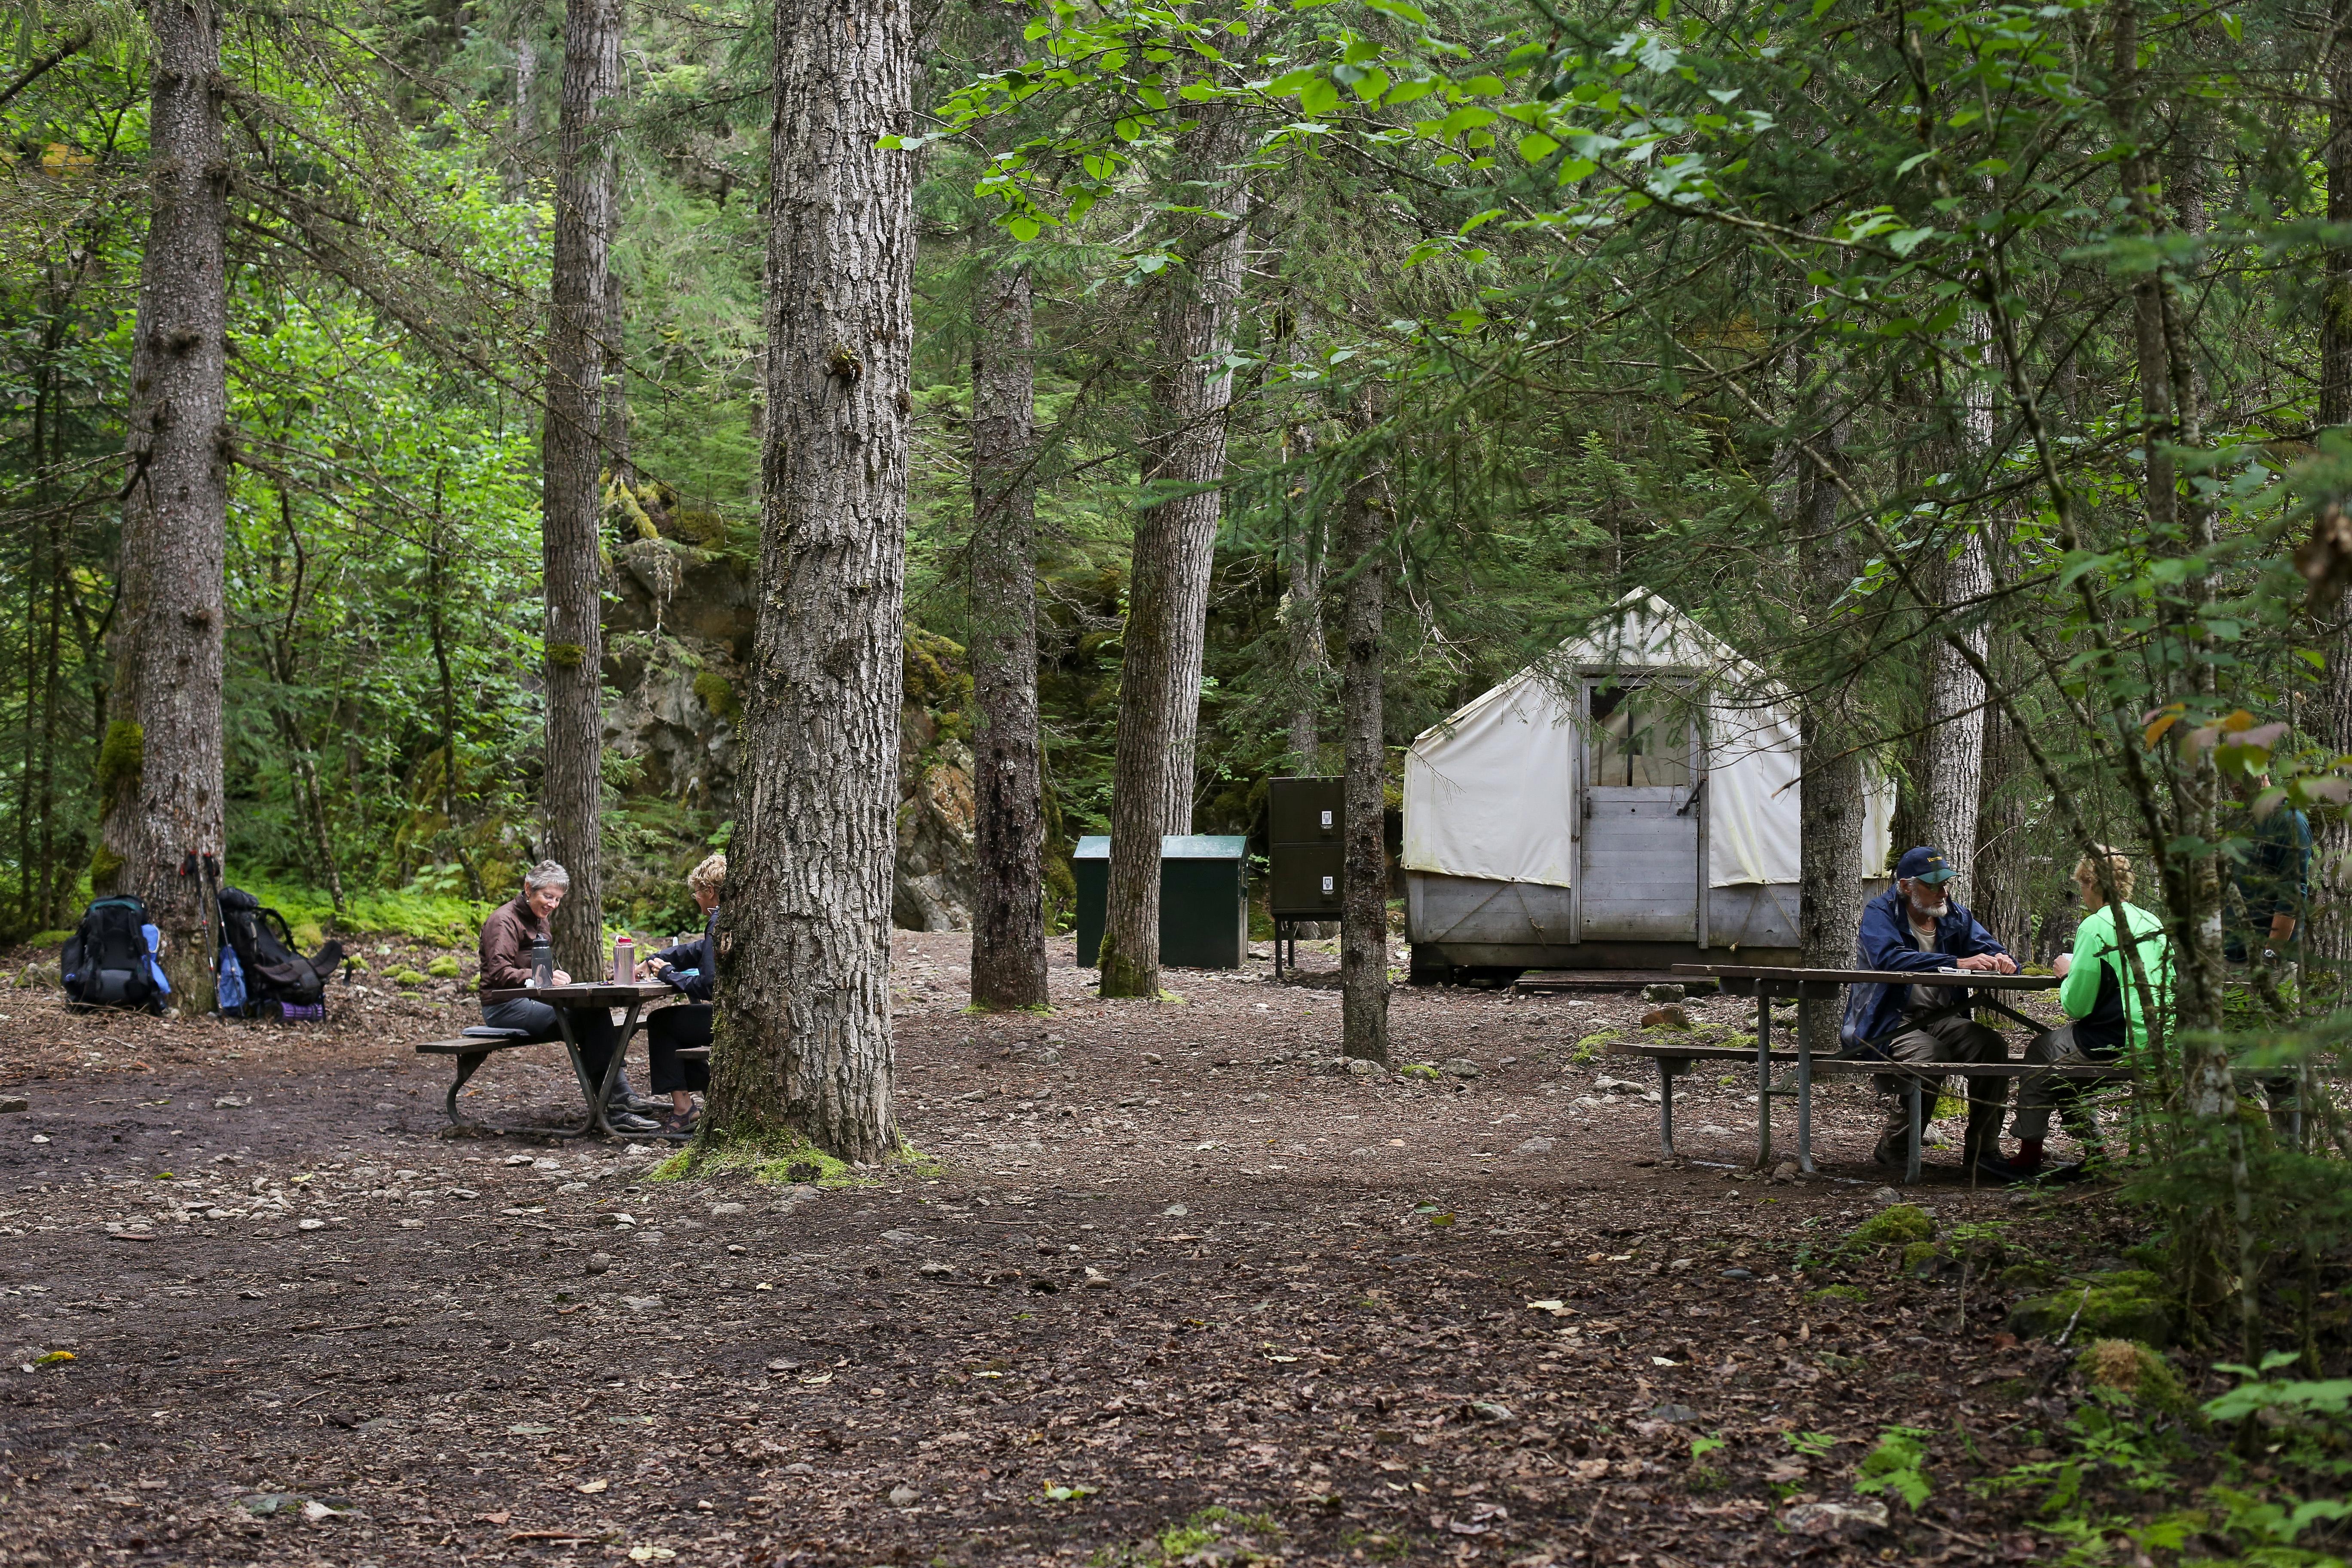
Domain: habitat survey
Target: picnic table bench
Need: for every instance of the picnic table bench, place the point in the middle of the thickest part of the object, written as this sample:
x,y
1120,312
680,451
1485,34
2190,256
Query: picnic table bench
x,y
473,1047
1807,986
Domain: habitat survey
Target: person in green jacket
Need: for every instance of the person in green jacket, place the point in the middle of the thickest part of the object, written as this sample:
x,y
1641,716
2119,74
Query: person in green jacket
x,y
2102,994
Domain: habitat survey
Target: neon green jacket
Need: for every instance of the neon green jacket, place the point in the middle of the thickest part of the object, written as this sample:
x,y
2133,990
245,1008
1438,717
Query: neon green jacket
x,y
2104,1014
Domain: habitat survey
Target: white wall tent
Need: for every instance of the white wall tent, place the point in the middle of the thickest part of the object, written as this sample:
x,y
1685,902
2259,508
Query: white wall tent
x,y
1630,801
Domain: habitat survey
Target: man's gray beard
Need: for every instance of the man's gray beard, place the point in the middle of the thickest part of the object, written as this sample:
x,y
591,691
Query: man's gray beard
x,y
1938,912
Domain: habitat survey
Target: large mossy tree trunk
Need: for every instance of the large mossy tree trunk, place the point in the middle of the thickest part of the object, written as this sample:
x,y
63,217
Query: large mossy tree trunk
x,y
1167,594
804,1029
570,800
162,758
1364,903
1008,930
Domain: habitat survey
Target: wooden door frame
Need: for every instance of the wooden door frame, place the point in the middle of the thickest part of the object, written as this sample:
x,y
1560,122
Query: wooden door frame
x,y
1701,763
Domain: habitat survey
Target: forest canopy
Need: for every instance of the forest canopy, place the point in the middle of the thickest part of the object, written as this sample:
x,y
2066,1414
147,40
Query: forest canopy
x,y
1846,331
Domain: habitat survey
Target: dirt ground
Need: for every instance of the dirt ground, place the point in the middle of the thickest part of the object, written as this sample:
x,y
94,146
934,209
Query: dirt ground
x,y
1174,1291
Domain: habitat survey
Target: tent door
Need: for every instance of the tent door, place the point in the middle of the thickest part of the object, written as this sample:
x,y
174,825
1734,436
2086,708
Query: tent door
x,y
1639,863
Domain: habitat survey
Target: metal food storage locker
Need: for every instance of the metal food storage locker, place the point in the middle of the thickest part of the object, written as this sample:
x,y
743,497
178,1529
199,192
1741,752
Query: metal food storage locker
x,y
1203,900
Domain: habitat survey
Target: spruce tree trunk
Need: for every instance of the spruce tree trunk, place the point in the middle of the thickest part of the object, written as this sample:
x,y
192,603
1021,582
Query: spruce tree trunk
x,y
1167,596
2330,940
1954,745
1008,930
803,1028
1831,802
164,763
2002,874
613,399
1302,610
1364,905
571,791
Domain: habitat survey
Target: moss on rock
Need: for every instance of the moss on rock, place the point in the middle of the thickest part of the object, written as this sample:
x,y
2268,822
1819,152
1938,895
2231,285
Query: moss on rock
x,y
443,967
1921,1258
2127,1304
717,696
2136,1372
1897,1224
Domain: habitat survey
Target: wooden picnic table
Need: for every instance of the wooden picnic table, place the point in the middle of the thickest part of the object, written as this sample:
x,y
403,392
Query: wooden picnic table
x,y
582,995
1764,982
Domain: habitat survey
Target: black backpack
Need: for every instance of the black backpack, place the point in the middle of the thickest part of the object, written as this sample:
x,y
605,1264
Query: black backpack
x,y
105,962
274,972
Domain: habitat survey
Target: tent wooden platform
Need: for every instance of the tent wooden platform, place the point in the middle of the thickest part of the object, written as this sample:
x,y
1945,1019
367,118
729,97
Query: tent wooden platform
x,y
1557,980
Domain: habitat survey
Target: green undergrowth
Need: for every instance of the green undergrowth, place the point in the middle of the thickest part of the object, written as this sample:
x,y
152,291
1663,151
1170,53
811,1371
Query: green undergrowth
x,y
1213,1534
2253,1479
784,1159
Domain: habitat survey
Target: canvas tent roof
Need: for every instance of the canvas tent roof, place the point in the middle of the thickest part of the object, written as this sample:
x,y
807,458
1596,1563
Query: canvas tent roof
x,y
1490,792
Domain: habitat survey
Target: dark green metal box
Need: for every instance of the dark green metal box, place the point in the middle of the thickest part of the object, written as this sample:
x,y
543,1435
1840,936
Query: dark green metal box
x,y
1203,900
1306,821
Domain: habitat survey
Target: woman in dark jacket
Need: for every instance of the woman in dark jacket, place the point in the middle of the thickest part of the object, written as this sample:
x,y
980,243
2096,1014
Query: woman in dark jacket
x,y
690,967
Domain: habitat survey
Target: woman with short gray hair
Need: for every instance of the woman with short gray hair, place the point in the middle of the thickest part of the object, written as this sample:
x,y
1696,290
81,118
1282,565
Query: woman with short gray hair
x,y
506,939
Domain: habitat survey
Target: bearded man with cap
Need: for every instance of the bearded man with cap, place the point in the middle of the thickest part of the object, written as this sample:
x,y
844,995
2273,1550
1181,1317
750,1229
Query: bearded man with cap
x,y
1918,925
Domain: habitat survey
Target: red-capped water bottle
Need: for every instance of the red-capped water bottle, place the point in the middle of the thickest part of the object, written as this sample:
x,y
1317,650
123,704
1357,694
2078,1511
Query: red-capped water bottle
x,y
624,960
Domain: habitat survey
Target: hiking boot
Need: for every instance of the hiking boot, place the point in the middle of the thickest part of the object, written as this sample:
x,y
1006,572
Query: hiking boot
x,y
638,1103
630,1121
1893,1152
2005,1172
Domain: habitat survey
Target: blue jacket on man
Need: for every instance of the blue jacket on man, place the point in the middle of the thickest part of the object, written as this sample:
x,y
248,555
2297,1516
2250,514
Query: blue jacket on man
x,y
1885,942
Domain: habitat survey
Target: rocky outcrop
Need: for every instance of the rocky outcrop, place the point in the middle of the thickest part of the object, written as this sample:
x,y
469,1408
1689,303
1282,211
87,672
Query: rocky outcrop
x,y
679,632
674,645
937,874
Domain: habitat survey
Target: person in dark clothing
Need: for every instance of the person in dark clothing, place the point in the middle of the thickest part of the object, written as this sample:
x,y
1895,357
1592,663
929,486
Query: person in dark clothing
x,y
2274,881
506,939
692,969
1916,925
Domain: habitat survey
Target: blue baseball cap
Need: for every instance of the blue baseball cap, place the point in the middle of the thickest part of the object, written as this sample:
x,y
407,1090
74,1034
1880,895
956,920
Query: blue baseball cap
x,y
1925,865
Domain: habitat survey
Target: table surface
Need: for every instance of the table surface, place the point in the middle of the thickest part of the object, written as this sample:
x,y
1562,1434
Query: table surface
x,y
603,994
1977,980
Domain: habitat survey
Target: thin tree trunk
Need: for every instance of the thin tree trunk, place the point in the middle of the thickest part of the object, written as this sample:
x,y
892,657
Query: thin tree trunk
x,y
29,666
520,130
1168,596
50,914
2330,940
165,758
437,624
572,787
613,363
1830,803
2001,876
1302,610
804,1042
1008,931
1364,905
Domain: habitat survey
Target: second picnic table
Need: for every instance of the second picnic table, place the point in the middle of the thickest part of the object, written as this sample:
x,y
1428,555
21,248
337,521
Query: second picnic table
x,y
1808,987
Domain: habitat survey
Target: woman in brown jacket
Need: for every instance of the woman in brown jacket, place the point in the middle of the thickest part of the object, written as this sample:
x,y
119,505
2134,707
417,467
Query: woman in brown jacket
x,y
506,939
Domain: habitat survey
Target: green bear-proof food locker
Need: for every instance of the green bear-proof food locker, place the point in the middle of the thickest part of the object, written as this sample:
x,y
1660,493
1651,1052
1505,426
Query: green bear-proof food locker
x,y
1203,900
